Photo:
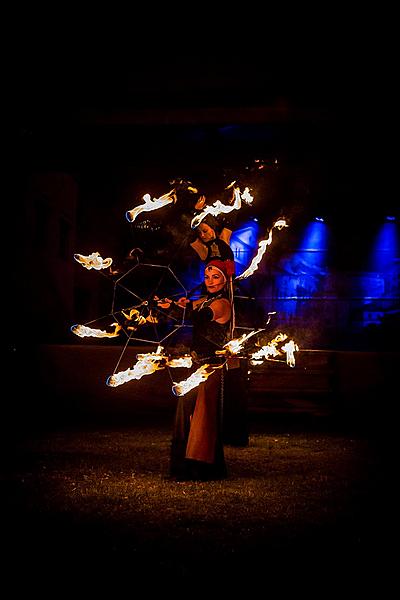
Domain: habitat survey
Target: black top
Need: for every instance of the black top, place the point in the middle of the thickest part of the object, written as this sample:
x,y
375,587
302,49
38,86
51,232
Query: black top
x,y
208,336
218,249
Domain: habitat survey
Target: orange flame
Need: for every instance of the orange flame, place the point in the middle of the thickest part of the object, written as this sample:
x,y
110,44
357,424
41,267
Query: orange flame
x,y
151,319
290,349
137,318
268,350
262,246
140,368
154,356
182,361
84,331
218,207
146,365
183,387
271,349
234,346
93,261
150,204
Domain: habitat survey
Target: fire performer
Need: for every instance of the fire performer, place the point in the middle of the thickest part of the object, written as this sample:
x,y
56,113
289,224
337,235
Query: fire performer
x,y
197,445
213,243
212,240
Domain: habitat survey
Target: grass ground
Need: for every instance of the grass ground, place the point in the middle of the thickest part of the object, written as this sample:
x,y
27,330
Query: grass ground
x,y
89,499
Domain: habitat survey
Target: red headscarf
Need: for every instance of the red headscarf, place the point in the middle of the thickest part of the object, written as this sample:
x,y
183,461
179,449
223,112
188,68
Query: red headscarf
x,y
227,267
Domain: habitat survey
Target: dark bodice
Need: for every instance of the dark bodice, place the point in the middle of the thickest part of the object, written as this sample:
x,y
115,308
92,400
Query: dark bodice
x,y
208,336
218,249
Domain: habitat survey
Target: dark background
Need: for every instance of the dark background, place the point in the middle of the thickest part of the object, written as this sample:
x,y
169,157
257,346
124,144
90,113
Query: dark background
x,y
126,119
121,120
321,112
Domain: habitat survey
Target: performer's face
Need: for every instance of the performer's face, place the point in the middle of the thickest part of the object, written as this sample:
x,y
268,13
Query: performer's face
x,y
214,280
206,233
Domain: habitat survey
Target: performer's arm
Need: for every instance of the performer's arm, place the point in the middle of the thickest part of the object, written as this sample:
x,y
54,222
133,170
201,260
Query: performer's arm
x,y
221,310
174,309
225,235
200,248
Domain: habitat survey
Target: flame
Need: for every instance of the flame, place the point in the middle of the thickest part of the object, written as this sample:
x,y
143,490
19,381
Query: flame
x,y
290,348
157,355
262,246
151,319
133,312
138,319
234,346
150,204
246,196
218,207
93,261
140,368
155,361
84,331
183,387
146,365
271,350
182,361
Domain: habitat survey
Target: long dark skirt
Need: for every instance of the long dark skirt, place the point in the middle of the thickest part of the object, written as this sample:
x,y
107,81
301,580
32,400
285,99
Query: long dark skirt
x,y
197,451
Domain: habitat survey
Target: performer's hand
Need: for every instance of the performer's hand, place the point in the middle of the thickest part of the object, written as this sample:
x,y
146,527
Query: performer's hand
x,y
200,203
183,302
163,303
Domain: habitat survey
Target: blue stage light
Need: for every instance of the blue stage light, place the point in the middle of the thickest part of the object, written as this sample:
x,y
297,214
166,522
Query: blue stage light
x,y
385,249
244,242
302,273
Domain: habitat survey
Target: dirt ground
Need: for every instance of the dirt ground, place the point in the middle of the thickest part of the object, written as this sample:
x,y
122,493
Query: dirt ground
x,y
299,499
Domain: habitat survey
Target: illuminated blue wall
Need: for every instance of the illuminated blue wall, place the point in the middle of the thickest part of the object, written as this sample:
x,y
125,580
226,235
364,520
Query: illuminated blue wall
x,y
324,303
381,285
244,243
302,273
385,248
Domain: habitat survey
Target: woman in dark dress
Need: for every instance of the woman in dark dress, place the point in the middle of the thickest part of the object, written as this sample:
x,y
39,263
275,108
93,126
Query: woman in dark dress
x,y
197,447
212,242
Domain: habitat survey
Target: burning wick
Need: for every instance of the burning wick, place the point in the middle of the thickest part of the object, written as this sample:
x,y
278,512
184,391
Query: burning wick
x,y
262,246
93,261
85,331
150,204
183,387
218,207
